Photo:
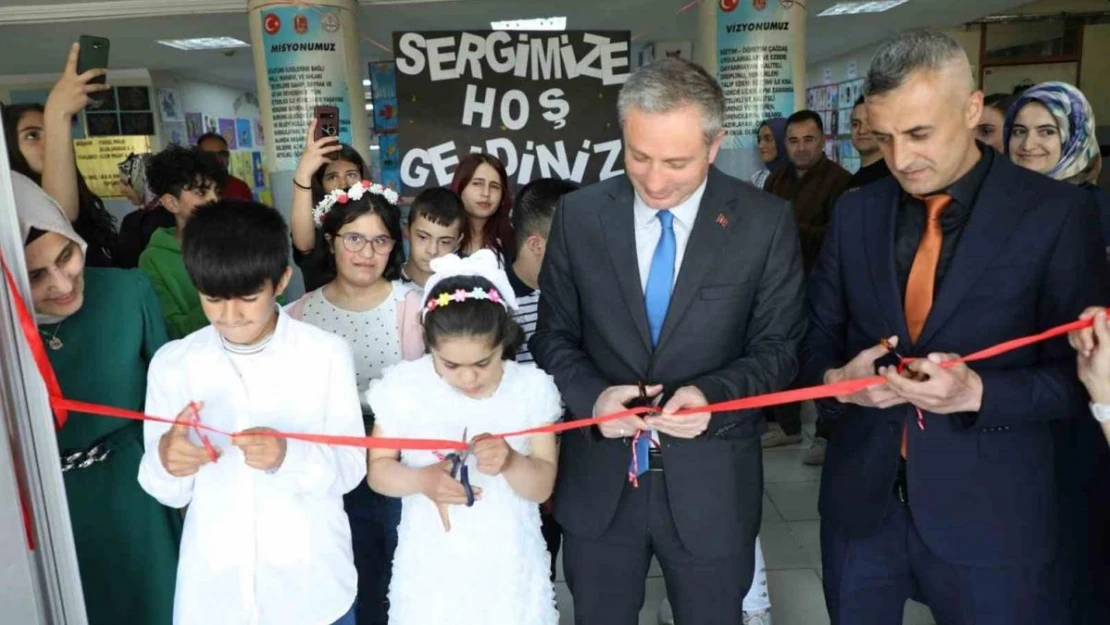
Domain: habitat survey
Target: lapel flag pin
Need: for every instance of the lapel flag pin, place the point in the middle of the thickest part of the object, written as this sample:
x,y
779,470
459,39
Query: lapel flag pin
x,y
722,220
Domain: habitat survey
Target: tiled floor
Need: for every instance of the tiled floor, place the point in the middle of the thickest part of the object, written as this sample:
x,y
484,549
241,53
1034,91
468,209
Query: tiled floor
x,y
791,547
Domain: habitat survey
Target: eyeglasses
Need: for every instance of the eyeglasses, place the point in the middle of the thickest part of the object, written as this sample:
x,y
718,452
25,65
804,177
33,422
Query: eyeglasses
x,y
354,242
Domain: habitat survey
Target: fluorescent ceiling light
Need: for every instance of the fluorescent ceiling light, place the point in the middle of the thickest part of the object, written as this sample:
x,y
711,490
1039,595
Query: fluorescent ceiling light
x,y
854,8
205,43
538,23
365,82
369,106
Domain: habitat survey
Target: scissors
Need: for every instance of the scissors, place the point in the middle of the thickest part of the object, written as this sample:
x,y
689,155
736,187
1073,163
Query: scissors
x,y
460,471
651,403
903,369
903,363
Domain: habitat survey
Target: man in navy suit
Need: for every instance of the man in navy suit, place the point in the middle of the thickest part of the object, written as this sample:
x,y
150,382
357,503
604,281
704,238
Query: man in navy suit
x,y
940,483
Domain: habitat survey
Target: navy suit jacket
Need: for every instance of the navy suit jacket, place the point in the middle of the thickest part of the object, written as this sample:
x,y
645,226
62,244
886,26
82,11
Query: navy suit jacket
x,y
982,488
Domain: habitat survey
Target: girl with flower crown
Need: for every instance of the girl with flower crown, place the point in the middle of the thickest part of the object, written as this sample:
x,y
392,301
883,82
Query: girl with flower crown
x,y
470,550
326,165
368,305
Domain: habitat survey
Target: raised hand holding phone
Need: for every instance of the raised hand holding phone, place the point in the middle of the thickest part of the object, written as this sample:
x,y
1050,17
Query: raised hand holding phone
x,y
74,90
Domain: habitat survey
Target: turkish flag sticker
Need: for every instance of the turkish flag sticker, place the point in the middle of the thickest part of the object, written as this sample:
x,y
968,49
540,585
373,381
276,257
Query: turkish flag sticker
x,y
271,23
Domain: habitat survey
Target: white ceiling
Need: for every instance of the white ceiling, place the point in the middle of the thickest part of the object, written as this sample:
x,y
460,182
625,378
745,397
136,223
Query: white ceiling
x,y
38,48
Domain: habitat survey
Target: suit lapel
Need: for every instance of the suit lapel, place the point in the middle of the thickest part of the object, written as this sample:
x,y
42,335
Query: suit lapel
x,y
618,226
880,213
993,218
708,236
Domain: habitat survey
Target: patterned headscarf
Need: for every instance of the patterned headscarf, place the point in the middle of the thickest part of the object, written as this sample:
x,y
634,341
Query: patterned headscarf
x,y
1080,160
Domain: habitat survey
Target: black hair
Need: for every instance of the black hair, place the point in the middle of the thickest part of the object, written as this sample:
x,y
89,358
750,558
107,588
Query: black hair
x,y
233,248
370,204
178,169
806,116
439,205
860,100
212,135
33,233
534,207
94,223
472,317
346,153
1000,102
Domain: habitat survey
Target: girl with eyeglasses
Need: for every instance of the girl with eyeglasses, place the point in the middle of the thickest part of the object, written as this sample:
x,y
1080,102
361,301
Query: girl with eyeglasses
x,y
368,305
325,165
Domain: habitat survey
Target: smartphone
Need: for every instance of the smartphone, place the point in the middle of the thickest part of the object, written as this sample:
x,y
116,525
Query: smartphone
x,y
327,124
94,55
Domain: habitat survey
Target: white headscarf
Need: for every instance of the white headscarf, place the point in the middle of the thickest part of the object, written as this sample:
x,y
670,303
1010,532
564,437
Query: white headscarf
x,y
483,263
35,209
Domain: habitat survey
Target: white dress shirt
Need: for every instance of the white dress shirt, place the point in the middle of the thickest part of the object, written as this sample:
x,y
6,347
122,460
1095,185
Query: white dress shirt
x,y
648,231
261,548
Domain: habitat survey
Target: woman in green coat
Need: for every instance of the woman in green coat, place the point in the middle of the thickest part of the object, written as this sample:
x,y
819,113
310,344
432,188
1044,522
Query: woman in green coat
x,y
101,327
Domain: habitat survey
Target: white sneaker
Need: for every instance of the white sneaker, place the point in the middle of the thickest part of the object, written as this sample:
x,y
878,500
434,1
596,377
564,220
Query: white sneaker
x,y
776,437
815,455
763,617
666,616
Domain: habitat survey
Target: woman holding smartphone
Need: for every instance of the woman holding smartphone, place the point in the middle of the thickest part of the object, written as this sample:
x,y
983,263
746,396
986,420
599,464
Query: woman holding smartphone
x,y
40,146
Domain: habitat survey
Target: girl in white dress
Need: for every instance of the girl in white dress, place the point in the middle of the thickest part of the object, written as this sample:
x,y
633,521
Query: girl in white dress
x,y
484,564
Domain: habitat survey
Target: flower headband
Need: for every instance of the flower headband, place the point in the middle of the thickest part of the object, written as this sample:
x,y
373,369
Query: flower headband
x,y
483,264
354,193
460,295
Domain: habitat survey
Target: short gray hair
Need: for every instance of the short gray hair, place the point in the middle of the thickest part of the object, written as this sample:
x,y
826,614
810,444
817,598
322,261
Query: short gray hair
x,y
672,83
906,53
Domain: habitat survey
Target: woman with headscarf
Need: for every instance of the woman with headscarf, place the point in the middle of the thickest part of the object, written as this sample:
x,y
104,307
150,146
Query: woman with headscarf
x,y
100,329
771,141
1050,128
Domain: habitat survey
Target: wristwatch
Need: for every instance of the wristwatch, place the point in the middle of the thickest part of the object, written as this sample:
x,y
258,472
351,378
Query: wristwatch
x,y
1101,412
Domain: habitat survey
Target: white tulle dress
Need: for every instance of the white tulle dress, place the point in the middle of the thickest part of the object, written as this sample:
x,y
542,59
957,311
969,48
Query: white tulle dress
x,y
493,567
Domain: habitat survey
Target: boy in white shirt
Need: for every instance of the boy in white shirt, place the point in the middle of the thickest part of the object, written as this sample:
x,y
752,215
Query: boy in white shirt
x,y
266,540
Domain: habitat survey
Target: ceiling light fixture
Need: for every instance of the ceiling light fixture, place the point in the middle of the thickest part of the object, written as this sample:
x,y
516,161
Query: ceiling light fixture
x,y
537,23
365,82
205,43
856,8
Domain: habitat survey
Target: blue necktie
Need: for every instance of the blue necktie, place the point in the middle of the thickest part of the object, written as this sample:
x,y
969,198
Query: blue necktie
x,y
657,299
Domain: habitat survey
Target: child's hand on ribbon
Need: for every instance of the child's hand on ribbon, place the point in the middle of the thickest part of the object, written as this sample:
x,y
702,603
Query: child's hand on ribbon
x,y
437,484
494,454
261,451
179,456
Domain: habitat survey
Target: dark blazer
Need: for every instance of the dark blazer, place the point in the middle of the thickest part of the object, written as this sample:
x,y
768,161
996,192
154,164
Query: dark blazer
x,y
981,486
732,329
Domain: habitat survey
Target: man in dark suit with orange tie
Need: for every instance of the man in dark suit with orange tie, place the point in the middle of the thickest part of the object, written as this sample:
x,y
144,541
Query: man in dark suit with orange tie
x,y
940,483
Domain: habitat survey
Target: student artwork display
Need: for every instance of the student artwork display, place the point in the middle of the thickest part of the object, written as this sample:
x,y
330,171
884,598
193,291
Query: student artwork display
x,y
545,103
243,128
383,86
242,166
169,105
175,133
259,170
194,127
227,130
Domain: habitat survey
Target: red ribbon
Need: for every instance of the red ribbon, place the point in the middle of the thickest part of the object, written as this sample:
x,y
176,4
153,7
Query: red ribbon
x,y
63,406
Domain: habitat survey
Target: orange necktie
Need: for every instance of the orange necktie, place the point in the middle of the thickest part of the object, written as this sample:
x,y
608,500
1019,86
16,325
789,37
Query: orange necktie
x,y
923,274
